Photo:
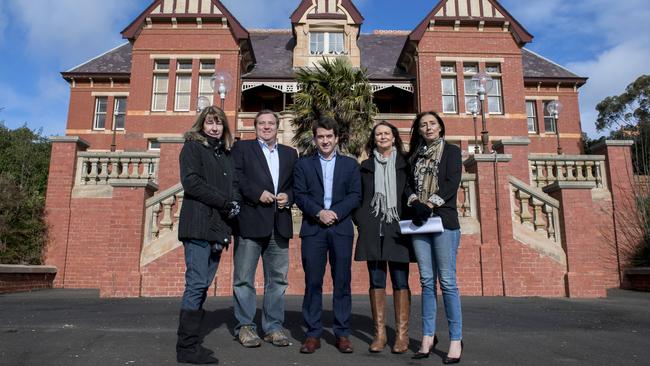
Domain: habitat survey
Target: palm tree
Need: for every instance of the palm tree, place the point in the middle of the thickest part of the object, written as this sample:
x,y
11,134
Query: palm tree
x,y
334,89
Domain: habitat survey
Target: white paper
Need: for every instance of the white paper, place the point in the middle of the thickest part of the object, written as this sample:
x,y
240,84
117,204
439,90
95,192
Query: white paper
x,y
433,225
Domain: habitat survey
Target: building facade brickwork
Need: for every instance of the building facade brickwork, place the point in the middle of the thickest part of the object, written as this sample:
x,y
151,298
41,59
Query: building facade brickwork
x,y
113,193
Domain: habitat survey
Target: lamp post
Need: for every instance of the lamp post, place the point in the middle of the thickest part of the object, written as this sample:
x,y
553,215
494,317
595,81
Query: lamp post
x,y
113,145
202,103
482,83
554,108
472,107
221,82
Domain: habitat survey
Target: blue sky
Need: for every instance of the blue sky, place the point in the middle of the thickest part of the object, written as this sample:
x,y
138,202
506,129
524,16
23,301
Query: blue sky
x,y
604,40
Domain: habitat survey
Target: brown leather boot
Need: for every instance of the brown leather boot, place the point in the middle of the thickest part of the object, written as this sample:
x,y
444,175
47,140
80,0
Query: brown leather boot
x,y
402,302
378,306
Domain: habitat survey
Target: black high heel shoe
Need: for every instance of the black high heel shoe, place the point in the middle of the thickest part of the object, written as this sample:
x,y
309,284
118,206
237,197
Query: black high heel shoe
x,y
420,355
449,360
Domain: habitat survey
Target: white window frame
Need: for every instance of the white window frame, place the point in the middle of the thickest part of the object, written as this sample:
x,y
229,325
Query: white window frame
x,y
548,117
496,93
183,95
150,144
205,87
531,116
157,78
327,45
117,113
203,65
98,113
454,95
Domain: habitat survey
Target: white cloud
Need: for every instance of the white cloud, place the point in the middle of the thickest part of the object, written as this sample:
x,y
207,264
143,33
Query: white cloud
x,y
70,30
609,74
606,40
40,107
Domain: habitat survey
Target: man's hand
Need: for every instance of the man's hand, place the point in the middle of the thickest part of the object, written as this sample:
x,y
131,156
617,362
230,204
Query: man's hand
x,y
267,197
282,200
327,217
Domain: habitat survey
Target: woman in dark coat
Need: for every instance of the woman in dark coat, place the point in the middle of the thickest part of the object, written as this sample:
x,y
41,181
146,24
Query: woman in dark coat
x,y
385,192
437,172
209,201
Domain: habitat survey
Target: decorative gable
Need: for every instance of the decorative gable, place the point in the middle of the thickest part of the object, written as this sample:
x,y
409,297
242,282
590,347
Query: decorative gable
x,y
326,29
185,10
184,7
478,12
327,9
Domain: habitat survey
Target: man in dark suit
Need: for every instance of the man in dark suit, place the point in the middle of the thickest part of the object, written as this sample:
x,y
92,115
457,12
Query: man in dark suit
x,y
327,188
264,170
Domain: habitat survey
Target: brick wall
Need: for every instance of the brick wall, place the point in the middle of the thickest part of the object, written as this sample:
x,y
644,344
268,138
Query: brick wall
x,y
18,278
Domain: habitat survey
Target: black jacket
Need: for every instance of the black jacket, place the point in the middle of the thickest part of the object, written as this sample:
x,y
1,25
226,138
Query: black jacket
x,y
257,220
396,247
450,173
207,177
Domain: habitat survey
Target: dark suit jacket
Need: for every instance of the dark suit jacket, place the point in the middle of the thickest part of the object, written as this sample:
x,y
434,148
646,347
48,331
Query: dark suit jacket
x,y
257,220
309,192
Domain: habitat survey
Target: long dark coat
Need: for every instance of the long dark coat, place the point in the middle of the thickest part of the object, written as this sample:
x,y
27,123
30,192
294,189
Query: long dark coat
x,y
396,247
208,179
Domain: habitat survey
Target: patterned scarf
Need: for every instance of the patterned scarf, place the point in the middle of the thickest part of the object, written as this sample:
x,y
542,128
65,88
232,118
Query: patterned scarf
x,y
426,169
385,199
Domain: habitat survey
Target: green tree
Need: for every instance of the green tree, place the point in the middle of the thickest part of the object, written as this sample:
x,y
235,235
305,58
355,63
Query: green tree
x,y
24,163
335,89
628,117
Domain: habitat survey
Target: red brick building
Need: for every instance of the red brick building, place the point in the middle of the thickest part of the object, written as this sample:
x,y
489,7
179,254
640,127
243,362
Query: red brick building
x,y
114,193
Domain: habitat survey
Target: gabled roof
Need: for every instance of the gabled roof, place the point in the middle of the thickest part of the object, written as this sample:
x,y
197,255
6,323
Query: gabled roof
x,y
471,10
539,68
379,54
185,9
305,5
116,62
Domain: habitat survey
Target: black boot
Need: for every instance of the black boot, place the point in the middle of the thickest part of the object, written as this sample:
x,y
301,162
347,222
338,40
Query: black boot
x,y
188,346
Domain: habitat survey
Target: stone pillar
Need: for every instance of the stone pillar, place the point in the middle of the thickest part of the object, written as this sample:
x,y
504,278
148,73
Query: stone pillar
x,y
168,167
590,262
517,147
491,239
61,180
621,184
121,277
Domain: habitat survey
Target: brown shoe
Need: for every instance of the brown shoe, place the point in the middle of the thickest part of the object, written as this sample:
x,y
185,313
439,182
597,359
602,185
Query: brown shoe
x,y
378,307
344,345
310,345
402,302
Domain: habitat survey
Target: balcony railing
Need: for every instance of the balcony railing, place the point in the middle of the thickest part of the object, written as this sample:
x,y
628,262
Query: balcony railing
x,y
100,168
546,169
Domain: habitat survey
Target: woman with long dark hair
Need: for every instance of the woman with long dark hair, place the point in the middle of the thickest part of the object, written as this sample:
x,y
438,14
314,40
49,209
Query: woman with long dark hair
x,y
385,192
437,172
210,200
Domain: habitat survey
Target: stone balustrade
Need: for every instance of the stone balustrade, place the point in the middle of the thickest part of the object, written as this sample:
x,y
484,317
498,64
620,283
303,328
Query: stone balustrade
x,y
162,212
535,210
546,169
99,168
467,196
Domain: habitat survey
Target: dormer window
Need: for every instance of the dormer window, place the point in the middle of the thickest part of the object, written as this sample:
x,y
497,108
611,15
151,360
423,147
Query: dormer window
x,y
326,43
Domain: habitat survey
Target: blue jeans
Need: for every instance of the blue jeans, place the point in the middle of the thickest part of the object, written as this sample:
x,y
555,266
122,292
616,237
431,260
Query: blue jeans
x,y
399,274
436,257
275,260
201,264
